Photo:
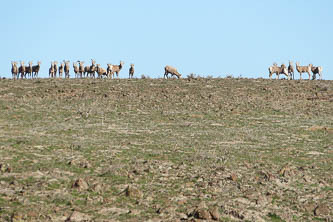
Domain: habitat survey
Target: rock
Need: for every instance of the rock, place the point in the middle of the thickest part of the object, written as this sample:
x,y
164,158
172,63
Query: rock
x,y
215,214
322,210
133,192
77,217
202,214
80,184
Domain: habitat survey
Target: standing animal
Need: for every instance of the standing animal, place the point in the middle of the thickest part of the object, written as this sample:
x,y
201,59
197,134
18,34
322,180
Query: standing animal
x,y
61,69
109,71
66,68
51,70
22,69
90,69
76,69
275,69
14,70
28,70
55,64
100,71
173,71
81,69
35,69
303,69
116,69
131,72
291,70
317,70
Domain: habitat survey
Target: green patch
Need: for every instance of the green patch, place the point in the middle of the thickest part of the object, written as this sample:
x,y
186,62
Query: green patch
x,y
274,217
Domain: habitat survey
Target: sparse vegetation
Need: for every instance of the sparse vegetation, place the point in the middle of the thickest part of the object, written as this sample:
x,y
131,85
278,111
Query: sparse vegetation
x,y
225,149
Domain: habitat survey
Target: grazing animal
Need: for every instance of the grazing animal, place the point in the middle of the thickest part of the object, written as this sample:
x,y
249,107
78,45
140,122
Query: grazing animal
x,y
317,70
116,69
76,69
51,70
55,68
81,69
28,70
131,72
14,70
291,70
275,69
35,69
100,71
303,69
109,71
66,68
173,71
22,69
61,69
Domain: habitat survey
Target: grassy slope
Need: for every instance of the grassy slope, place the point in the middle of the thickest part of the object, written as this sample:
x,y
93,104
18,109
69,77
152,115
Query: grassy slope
x,y
254,148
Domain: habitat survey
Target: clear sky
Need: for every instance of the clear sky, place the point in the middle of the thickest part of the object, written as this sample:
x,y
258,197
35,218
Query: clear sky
x,y
212,37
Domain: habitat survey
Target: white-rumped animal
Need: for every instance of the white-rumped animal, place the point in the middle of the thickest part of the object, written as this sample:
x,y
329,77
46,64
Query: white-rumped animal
x,y
28,70
55,68
61,69
171,70
116,69
35,70
22,69
14,70
100,71
303,69
66,69
51,70
131,72
109,70
275,69
317,70
291,70
76,69
81,69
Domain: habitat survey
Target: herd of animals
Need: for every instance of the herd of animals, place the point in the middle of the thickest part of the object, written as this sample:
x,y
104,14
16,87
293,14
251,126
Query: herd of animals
x,y
289,71
81,71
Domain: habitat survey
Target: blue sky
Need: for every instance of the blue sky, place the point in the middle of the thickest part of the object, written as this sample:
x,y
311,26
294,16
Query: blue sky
x,y
213,37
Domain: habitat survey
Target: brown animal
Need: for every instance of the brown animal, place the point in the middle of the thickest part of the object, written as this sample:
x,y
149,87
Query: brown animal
x,y
173,71
76,69
291,70
116,69
35,70
275,69
81,69
61,69
317,70
55,68
90,69
100,71
303,69
66,68
51,70
22,69
109,71
14,70
28,70
131,72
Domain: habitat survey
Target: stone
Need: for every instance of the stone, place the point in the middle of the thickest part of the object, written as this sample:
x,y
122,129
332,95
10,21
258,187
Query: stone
x,y
322,210
133,192
80,184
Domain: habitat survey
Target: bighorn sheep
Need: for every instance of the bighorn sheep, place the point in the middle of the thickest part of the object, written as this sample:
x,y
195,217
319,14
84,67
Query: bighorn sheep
x,y
14,70
35,69
303,69
28,70
76,69
173,71
22,69
91,69
317,70
278,70
81,68
55,69
66,68
100,71
131,71
291,70
61,69
51,70
109,71
116,69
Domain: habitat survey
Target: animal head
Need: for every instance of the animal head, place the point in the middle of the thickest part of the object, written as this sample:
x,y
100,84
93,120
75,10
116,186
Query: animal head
x,y
30,63
297,63
290,62
39,62
93,62
132,65
121,63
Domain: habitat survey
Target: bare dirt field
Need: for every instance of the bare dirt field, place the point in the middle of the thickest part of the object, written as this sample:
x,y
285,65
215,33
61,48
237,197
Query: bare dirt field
x,y
227,149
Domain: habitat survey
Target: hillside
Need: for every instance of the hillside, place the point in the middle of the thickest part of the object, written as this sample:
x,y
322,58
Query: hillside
x,y
166,150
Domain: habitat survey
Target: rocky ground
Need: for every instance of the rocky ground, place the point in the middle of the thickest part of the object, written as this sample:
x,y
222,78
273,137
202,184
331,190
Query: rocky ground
x,y
228,149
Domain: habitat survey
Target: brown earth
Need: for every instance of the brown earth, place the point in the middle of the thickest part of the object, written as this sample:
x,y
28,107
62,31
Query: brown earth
x,y
166,150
